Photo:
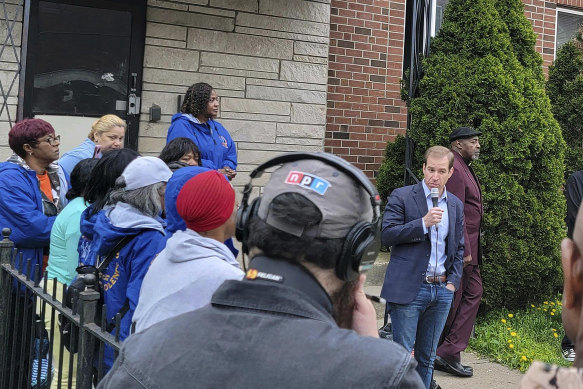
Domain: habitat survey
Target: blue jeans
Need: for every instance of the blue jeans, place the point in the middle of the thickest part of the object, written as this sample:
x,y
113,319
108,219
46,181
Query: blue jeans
x,y
419,323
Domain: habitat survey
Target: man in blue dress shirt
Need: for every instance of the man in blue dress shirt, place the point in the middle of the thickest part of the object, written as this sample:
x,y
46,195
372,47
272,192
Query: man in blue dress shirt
x,y
426,258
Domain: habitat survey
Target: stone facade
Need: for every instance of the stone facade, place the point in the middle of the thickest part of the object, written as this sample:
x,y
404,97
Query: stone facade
x,y
267,60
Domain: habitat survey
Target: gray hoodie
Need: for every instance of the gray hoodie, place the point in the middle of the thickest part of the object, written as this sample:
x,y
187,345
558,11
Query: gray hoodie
x,y
183,277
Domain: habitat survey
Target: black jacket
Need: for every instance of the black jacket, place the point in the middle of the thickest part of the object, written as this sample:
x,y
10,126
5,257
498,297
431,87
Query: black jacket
x,y
261,334
574,195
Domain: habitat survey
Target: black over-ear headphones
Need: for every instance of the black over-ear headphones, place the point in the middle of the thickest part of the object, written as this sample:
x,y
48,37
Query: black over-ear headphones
x,y
363,241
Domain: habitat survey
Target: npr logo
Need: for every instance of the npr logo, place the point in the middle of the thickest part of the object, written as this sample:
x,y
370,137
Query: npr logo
x,y
307,181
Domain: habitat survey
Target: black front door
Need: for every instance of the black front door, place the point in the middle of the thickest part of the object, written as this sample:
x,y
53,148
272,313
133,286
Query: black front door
x,y
84,58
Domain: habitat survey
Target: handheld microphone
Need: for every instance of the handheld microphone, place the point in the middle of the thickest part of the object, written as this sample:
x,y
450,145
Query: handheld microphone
x,y
434,196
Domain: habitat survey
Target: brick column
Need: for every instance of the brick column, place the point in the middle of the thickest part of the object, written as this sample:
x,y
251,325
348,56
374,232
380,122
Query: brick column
x,y
364,70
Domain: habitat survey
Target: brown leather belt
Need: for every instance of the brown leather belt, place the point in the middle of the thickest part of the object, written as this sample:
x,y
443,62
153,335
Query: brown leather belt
x,y
435,279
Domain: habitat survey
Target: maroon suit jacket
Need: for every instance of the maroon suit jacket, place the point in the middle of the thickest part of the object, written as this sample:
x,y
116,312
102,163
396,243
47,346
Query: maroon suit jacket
x,y
465,185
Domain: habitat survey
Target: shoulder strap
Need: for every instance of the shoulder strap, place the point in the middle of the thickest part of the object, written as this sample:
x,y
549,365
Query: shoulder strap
x,y
117,248
122,311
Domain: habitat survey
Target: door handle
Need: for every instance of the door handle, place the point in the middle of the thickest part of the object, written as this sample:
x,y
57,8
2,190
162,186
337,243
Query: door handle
x,y
134,82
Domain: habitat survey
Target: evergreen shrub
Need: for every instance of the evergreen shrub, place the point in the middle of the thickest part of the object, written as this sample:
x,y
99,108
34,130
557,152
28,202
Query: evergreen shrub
x,y
479,75
391,172
565,90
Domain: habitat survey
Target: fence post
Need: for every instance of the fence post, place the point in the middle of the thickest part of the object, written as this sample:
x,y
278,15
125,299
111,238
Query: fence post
x,y
88,300
6,246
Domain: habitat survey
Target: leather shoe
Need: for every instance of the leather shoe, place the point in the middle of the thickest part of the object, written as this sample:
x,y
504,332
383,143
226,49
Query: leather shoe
x,y
453,367
434,385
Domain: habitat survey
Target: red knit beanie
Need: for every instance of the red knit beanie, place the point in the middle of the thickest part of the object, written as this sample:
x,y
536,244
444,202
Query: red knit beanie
x,y
206,201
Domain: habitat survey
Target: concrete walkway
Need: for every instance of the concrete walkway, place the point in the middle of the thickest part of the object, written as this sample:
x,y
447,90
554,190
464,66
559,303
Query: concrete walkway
x,y
487,375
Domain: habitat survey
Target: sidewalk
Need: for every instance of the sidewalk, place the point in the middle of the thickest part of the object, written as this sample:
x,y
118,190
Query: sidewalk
x,y
487,375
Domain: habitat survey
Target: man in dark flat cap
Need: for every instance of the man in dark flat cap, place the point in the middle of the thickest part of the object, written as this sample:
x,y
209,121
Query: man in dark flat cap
x,y
465,145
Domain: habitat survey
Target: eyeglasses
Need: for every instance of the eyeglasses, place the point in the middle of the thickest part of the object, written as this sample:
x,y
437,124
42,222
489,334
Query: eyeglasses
x,y
51,140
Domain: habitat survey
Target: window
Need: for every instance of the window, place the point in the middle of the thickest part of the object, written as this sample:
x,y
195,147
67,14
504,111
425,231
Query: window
x,y
438,11
81,61
568,21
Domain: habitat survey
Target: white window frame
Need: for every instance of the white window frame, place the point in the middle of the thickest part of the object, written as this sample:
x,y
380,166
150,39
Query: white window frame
x,y
434,16
572,11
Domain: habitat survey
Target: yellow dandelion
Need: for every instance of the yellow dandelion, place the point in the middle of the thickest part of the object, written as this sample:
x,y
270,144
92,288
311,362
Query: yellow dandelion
x,y
513,333
544,310
510,315
555,335
511,345
509,340
523,358
552,314
503,320
560,304
552,303
532,305
508,328
554,330
538,308
546,303
553,310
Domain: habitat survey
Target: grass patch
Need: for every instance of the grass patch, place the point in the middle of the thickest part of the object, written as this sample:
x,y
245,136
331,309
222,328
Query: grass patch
x,y
516,339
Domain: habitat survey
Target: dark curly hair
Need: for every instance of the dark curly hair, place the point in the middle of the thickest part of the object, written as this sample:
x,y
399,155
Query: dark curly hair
x,y
277,244
196,99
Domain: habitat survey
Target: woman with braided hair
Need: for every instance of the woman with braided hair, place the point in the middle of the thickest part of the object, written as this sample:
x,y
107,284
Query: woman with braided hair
x,y
195,121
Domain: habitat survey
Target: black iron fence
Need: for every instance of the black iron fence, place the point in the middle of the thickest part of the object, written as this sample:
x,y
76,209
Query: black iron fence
x,y
37,329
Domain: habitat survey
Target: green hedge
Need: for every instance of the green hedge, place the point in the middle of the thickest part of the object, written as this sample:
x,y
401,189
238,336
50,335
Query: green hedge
x,y
565,89
484,72
391,172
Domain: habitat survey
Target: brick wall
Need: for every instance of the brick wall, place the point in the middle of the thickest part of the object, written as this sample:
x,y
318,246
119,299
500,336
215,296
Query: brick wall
x,y
543,17
266,58
366,54
9,70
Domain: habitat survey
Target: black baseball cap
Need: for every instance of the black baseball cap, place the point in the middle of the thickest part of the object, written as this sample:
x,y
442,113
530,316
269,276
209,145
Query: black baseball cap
x,y
463,133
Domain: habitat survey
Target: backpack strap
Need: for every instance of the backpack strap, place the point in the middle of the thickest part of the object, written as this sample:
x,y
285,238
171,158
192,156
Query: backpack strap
x,y
103,265
123,310
116,249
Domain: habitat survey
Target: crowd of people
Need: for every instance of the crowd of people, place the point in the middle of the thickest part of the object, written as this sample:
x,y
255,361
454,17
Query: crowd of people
x,y
162,228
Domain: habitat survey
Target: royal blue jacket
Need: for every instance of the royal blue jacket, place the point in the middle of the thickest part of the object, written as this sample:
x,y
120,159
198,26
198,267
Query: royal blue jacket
x,y
174,221
21,210
124,275
217,149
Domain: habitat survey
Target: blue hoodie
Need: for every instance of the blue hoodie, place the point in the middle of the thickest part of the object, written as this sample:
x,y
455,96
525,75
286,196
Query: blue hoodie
x,y
174,221
21,208
123,277
217,149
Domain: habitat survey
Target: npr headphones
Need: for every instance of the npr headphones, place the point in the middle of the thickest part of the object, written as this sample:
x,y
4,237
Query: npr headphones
x,y
362,243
